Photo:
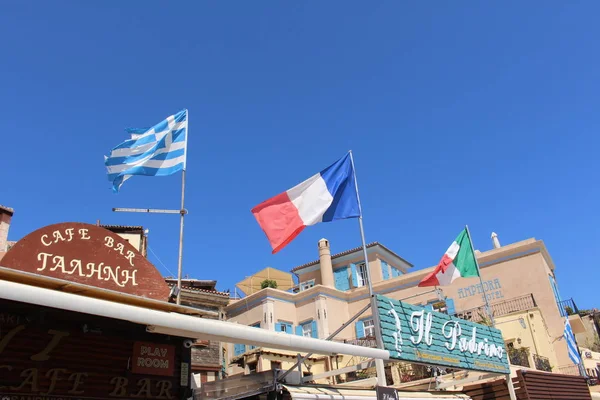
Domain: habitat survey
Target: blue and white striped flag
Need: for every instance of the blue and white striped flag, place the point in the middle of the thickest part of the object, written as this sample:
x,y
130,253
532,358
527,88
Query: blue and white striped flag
x,y
571,344
157,151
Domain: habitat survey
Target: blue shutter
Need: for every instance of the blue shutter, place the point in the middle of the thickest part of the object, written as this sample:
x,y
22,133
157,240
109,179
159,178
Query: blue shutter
x,y
554,289
299,331
450,309
385,270
278,327
239,349
289,329
341,279
395,272
354,277
360,330
315,333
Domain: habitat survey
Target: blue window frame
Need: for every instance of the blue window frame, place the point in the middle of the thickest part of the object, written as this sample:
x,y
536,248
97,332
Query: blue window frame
x,y
308,329
285,327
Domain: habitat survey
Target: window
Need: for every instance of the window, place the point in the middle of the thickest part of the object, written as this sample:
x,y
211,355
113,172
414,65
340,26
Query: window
x,y
308,329
307,285
284,327
256,325
369,327
275,364
361,275
239,349
436,305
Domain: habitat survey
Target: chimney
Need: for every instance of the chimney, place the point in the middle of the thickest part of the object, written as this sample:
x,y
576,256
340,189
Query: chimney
x,y
6,214
495,240
325,260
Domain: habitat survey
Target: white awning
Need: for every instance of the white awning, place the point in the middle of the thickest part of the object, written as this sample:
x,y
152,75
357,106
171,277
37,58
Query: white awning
x,y
330,393
175,324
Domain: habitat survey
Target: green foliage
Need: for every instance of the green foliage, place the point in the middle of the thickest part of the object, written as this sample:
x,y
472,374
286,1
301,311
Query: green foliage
x,y
268,283
519,356
569,310
485,320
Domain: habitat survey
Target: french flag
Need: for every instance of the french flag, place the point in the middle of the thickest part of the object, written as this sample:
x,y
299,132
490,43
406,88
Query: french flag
x,y
324,197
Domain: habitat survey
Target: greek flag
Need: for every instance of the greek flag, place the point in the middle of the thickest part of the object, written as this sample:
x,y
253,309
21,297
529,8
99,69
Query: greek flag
x,y
571,344
156,151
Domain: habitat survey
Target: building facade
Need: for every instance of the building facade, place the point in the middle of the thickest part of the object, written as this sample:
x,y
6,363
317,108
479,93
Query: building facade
x,y
518,280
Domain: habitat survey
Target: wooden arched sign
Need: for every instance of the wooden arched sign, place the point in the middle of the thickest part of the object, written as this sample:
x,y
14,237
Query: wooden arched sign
x,y
90,255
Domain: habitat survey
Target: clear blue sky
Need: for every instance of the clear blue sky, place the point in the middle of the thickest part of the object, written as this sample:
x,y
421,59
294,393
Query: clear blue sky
x,y
458,113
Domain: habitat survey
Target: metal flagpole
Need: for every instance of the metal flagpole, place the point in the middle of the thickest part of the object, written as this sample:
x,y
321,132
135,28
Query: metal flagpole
x,y
182,214
509,382
379,365
488,309
182,210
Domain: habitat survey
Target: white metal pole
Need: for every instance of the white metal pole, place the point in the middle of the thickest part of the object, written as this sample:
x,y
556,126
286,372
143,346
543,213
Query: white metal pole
x,y
509,382
488,309
182,210
379,365
180,262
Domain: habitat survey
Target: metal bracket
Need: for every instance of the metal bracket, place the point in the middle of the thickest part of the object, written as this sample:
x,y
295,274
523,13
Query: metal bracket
x,y
334,334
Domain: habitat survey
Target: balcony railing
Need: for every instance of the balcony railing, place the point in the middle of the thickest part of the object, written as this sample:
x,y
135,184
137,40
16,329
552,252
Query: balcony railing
x,y
567,307
521,303
519,357
542,363
365,342
569,370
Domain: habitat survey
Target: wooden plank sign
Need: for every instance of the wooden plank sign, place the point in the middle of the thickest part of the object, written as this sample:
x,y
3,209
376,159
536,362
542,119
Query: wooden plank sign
x,y
412,333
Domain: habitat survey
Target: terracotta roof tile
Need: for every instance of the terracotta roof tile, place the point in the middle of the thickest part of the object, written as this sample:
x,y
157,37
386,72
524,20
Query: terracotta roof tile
x,y
193,289
131,227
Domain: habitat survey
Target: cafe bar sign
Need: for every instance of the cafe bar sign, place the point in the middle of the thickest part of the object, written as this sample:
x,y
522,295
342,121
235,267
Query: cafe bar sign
x,y
415,334
89,255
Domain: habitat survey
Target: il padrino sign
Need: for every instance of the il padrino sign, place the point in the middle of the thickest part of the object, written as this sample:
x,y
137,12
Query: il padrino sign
x,y
87,254
415,334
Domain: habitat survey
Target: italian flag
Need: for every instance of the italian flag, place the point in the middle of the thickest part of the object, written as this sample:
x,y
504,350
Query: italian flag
x,y
458,262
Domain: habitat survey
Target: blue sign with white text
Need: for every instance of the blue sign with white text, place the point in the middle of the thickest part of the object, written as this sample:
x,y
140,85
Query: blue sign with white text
x,y
412,333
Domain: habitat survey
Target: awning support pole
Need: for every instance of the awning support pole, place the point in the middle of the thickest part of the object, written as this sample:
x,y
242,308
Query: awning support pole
x,y
334,334
511,388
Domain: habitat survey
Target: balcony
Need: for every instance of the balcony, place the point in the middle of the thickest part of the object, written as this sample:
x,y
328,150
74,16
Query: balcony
x,y
567,307
542,363
519,356
365,342
522,303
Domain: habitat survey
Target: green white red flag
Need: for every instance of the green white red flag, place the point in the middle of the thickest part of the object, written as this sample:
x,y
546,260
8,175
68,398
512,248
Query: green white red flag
x,y
458,262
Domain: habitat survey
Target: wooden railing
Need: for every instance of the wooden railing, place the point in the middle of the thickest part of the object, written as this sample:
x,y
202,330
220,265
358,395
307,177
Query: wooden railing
x,y
533,385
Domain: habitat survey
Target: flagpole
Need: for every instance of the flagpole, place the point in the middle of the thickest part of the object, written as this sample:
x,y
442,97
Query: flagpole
x,y
488,309
379,365
182,211
509,383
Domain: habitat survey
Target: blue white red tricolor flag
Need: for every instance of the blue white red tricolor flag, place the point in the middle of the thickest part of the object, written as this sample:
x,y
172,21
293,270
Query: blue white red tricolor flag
x,y
324,197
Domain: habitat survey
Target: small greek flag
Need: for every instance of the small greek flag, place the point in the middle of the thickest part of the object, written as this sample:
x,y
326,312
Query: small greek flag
x,y
156,151
571,344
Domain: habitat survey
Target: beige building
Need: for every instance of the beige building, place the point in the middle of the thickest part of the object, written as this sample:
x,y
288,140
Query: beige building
x,y
518,280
